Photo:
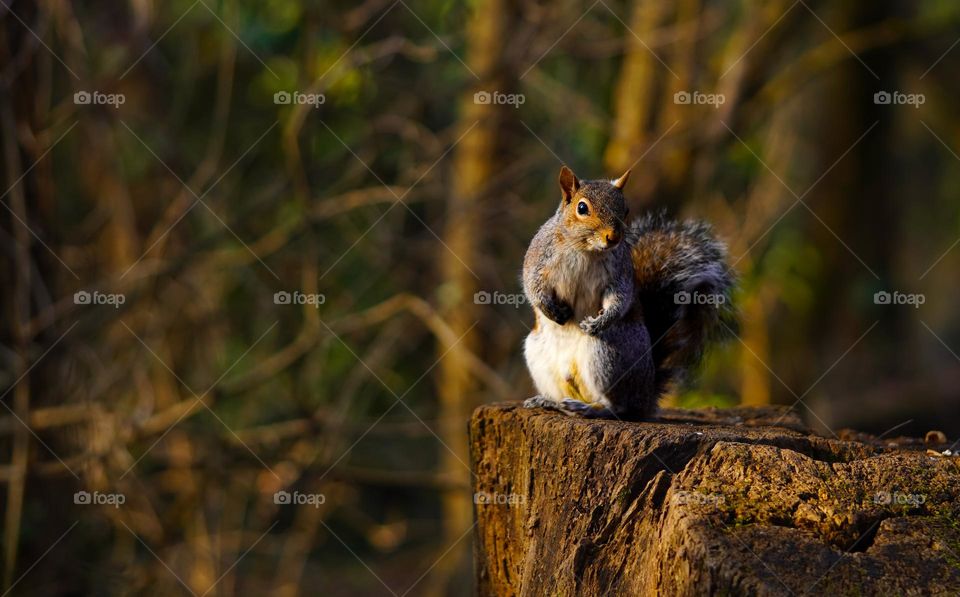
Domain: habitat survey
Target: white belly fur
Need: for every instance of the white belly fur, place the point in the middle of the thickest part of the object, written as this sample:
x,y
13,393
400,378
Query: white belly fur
x,y
556,354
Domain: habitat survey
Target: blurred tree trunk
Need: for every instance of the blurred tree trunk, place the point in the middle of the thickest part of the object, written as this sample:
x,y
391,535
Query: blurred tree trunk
x,y
755,351
850,206
474,166
634,97
675,185
19,317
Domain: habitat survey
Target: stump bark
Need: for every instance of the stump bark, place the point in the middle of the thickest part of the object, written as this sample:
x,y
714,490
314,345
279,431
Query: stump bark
x,y
729,502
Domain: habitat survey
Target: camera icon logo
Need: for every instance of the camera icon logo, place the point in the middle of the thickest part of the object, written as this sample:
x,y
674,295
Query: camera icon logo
x,y
481,298
281,298
82,497
681,298
881,298
82,98
882,497
81,297
281,98
282,497
681,97
882,97
482,97
481,497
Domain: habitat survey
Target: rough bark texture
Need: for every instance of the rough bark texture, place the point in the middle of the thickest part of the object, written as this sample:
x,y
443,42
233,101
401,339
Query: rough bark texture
x,y
741,501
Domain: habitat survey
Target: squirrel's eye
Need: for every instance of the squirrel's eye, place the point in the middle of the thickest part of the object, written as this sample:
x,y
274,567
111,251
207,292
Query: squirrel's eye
x,y
582,208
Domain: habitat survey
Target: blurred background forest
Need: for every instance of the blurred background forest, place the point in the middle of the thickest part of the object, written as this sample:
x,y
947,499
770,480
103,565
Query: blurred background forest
x,y
171,169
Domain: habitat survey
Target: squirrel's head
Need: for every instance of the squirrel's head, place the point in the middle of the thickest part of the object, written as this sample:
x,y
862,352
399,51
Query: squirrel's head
x,y
593,212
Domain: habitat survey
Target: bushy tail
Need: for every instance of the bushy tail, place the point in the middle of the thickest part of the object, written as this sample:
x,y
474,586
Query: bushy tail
x,y
684,287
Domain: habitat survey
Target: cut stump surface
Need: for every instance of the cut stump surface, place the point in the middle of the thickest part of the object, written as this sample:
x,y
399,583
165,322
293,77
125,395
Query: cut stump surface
x,y
742,501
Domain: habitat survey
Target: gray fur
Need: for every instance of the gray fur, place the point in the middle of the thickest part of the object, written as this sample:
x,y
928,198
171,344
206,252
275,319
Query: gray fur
x,y
645,339
681,333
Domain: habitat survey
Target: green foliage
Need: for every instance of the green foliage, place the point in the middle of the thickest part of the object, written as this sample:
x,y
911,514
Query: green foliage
x,y
695,399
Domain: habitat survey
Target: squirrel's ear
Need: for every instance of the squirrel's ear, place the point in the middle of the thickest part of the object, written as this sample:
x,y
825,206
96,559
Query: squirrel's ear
x,y
568,184
622,181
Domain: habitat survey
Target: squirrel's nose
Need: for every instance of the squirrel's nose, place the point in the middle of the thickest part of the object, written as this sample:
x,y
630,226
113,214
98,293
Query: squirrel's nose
x,y
613,237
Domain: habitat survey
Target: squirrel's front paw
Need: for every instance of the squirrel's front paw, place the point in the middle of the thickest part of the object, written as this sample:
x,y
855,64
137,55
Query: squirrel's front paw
x,y
594,325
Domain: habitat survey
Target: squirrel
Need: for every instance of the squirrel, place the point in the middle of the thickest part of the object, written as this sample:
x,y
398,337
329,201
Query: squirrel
x,y
621,310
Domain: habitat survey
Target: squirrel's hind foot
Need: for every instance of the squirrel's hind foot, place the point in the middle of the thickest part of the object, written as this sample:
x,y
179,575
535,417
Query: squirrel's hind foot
x,y
569,406
586,410
539,401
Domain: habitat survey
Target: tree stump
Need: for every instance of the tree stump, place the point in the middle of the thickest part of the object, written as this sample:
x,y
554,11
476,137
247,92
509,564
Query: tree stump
x,y
743,501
